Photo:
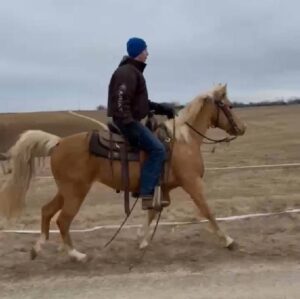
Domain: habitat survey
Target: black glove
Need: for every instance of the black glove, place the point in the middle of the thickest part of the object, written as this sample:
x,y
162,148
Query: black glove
x,y
167,110
163,109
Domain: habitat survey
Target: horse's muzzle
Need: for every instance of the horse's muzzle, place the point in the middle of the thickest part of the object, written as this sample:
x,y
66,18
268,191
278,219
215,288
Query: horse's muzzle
x,y
240,130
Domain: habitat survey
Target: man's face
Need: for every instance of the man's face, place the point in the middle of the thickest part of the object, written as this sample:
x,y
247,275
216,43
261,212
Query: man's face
x,y
143,56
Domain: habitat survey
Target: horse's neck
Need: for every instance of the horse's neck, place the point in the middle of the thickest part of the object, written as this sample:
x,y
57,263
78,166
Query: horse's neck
x,y
183,132
201,124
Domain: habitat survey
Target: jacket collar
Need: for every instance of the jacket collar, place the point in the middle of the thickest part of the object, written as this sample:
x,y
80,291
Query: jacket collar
x,y
138,64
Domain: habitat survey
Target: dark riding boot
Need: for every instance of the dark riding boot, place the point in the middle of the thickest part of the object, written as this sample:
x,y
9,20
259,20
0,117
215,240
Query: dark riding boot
x,y
147,200
148,203
135,194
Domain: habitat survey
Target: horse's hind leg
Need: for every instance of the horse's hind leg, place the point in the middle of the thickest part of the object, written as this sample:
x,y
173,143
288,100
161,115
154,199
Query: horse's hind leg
x,y
48,211
195,189
73,199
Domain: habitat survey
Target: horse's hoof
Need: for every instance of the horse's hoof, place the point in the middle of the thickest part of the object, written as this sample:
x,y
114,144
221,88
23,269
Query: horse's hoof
x,y
78,256
60,248
33,254
233,246
82,260
140,233
144,244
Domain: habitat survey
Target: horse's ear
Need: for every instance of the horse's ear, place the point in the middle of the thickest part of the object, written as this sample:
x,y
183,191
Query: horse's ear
x,y
223,87
222,91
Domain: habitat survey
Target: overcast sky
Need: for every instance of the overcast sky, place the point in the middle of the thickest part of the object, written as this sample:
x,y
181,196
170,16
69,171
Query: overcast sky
x,y
60,54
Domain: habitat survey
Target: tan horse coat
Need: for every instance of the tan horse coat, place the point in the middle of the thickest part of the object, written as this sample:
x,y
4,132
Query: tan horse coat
x,y
75,169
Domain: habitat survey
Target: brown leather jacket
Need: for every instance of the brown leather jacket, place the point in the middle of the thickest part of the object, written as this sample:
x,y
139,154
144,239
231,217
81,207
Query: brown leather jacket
x,y
127,95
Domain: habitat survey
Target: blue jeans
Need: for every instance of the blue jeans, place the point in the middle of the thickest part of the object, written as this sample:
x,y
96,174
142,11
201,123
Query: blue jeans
x,y
141,137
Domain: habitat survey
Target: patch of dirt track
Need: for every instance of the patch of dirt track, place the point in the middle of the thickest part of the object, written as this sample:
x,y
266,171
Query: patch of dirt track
x,y
264,243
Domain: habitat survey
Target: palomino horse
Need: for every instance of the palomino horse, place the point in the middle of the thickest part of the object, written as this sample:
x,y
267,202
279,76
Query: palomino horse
x,y
75,169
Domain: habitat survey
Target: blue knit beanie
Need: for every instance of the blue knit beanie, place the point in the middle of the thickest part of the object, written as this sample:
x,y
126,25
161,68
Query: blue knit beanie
x,y
135,46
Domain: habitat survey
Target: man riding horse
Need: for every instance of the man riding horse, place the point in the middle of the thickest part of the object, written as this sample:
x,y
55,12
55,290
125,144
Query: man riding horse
x,y
128,103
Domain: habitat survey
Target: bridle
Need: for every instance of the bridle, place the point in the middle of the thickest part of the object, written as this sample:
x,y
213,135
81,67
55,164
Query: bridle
x,y
226,110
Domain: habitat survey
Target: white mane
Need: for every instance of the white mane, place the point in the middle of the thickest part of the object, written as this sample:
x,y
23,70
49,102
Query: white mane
x,y
190,112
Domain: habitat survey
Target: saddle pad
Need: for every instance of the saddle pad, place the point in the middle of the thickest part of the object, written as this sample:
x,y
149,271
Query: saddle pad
x,y
101,148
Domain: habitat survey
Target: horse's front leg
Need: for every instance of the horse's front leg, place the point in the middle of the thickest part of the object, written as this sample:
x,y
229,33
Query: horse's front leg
x,y
147,230
195,188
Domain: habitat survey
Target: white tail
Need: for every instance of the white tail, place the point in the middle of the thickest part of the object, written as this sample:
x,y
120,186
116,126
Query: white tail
x,y
31,144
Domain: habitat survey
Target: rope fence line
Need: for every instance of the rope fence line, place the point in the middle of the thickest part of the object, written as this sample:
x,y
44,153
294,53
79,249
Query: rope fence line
x,y
102,125
255,166
130,226
231,168
231,218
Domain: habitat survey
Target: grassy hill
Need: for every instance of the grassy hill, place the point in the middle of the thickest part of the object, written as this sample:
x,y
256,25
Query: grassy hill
x,y
61,123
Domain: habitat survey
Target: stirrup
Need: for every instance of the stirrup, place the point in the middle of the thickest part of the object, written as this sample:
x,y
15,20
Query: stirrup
x,y
147,203
157,199
156,202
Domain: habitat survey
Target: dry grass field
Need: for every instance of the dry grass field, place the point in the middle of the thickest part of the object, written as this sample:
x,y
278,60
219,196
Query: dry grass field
x,y
269,247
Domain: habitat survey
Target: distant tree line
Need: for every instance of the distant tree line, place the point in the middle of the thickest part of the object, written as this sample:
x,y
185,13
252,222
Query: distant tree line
x,y
101,107
178,106
252,104
267,103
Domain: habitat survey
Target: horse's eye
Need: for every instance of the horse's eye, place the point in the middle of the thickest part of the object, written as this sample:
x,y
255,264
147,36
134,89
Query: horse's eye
x,y
221,104
230,106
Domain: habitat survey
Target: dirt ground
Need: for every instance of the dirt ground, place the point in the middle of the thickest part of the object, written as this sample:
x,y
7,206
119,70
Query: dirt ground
x,y
183,261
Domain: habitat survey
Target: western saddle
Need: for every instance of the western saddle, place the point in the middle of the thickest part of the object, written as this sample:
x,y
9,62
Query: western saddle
x,y
111,144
